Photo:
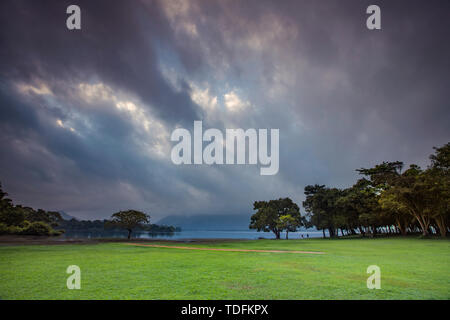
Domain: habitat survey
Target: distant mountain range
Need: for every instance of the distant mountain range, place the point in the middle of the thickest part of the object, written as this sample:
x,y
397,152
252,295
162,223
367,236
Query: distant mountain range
x,y
220,222
67,216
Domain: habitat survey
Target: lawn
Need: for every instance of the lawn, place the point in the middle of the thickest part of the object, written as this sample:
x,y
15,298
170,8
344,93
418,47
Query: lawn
x,y
410,269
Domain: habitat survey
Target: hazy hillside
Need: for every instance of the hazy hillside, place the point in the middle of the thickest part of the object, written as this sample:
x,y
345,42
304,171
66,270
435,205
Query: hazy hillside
x,y
66,216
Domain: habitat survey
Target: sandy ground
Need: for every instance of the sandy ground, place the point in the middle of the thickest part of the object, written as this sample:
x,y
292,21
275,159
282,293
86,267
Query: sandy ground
x,y
223,249
40,240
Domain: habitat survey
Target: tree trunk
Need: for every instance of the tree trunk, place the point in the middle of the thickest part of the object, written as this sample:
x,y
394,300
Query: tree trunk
x,y
361,230
287,232
424,224
277,234
331,232
402,229
440,221
323,232
129,234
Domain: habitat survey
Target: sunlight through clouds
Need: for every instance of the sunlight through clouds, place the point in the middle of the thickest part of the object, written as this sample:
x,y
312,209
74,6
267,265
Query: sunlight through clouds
x,y
40,88
234,103
155,139
203,98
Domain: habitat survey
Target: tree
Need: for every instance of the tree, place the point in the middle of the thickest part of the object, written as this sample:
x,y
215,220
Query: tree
x,y
129,220
410,191
289,223
312,204
321,207
398,194
436,196
12,216
5,203
382,175
387,200
440,160
52,218
16,219
9,214
396,211
269,213
438,181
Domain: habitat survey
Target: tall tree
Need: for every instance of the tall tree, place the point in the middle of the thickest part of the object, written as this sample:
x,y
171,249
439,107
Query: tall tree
x,y
382,175
359,208
129,220
322,209
438,181
289,223
440,160
396,211
268,216
409,190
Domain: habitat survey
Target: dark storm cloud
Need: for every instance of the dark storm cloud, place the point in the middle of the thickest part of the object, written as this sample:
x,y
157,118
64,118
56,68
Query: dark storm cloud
x,y
365,96
116,44
117,47
342,96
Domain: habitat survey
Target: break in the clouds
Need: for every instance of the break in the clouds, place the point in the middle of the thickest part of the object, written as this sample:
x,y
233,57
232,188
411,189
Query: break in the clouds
x,y
86,115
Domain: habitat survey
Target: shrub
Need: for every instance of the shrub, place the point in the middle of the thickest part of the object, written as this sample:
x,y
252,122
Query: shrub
x,y
12,217
37,228
57,232
5,229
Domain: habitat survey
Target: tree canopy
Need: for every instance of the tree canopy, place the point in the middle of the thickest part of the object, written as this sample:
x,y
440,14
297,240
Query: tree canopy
x,y
276,216
16,219
386,200
129,220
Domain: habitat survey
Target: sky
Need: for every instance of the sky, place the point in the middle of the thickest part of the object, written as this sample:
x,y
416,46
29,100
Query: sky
x,y
86,115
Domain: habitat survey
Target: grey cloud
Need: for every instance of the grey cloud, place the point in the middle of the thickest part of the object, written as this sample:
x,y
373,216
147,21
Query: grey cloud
x,y
116,44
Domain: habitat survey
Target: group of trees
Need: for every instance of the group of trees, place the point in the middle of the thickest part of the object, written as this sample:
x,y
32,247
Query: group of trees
x,y
16,219
386,200
101,226
20,220
131,220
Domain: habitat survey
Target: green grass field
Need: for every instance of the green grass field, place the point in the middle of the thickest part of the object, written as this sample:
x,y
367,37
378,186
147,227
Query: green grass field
x,y
410,269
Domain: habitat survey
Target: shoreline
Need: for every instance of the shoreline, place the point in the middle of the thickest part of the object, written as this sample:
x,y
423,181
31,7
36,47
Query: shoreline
x,y
13,240
17,240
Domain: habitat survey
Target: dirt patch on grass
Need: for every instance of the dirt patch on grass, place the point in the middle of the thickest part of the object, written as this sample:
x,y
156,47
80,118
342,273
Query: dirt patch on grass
x,y
13,240
223,249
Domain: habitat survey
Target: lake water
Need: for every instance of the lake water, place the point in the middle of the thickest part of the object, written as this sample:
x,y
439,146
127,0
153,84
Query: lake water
x,y
185,235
